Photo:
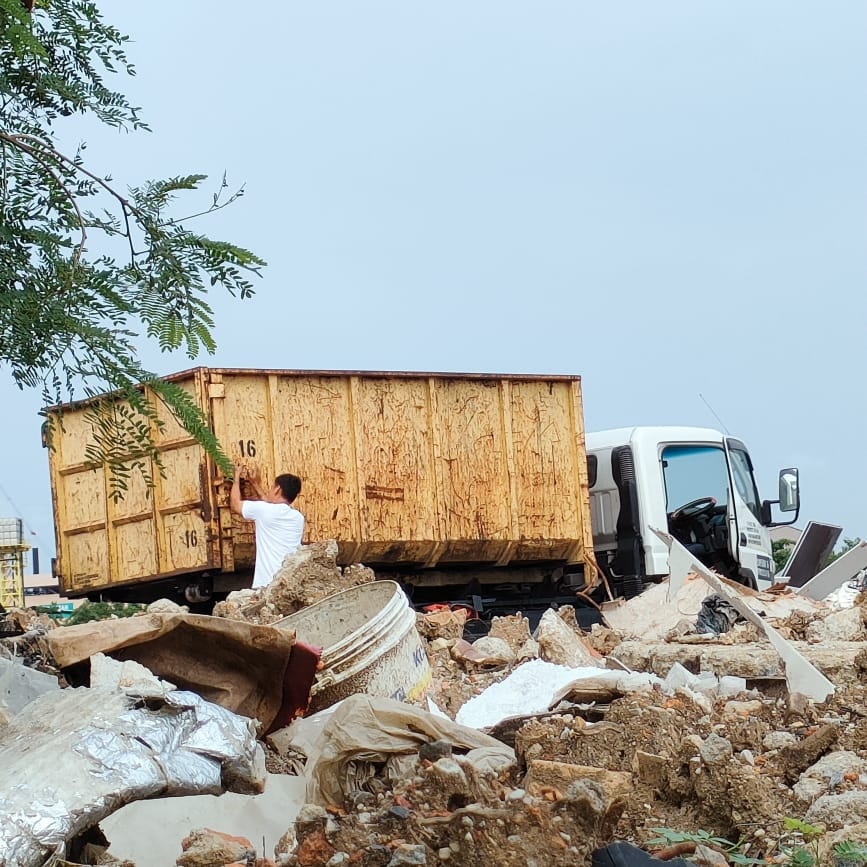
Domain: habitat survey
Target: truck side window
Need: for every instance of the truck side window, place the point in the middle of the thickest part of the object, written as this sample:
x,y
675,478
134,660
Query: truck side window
x,y
592,470
744,482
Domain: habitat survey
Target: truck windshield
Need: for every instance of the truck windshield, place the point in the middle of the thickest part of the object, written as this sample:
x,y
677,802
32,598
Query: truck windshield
x,y
693,472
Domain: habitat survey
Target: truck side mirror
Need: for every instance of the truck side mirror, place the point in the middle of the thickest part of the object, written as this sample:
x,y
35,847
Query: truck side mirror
x,y
789,501
790,496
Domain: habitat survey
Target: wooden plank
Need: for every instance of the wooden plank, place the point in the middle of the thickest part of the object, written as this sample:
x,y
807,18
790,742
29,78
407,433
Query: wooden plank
x,y
393,458
88,554
186,540
437,529
85,528
582,489
58,506
181,507
246,437
167,434
543,459
302,373
85,499
220,487
509,443
315,442
182,483
210,477
582,551
133,544
246,427
475,480
351,551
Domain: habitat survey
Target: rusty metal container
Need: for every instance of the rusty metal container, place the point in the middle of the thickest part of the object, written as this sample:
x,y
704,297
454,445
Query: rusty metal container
x,y
412,470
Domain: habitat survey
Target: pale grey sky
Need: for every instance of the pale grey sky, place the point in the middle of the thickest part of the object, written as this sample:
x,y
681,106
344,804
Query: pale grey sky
x,y
667,198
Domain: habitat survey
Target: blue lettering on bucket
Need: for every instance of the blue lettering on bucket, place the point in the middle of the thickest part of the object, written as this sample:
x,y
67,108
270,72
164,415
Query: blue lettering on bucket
x,y
399,695
418,656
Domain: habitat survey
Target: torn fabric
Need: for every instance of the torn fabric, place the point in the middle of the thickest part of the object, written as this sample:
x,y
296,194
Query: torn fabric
x,y
237,665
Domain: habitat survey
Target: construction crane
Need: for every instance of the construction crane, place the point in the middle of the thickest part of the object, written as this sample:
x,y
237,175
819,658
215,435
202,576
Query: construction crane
x,y
12,550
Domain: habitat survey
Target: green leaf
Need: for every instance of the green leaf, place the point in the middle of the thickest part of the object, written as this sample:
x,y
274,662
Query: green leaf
x,y
89,270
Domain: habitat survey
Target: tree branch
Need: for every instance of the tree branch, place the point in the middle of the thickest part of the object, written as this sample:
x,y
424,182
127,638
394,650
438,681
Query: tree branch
x,y
43,160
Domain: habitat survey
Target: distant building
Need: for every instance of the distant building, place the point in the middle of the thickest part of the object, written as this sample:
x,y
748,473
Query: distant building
x,y
789,534
42,589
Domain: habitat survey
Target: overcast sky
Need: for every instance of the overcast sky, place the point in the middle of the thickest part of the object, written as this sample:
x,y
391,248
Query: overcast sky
x,y
666,198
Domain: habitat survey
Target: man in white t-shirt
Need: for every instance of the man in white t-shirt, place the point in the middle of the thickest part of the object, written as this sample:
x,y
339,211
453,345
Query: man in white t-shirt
x,y
279,526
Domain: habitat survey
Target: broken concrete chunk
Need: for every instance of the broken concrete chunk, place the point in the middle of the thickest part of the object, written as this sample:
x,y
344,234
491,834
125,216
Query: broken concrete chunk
x,y
795,759
492,651
529,650
828,774
851,834
205,848
844,625
444,624
560,645
751,661
545,776
742,709
838,811
707,857
127,676
408,855
309,575
513,629
167,606
20,685
801,675
651,769
449,774
463,651
715,750
778,740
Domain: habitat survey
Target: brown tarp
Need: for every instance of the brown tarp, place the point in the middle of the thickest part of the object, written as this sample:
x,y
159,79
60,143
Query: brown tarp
x,y
239,666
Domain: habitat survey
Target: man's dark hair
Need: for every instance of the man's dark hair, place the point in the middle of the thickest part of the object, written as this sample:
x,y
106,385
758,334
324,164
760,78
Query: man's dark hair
x,y
290,486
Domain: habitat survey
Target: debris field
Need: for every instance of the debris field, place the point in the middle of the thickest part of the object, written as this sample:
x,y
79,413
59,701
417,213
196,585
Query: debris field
x,y
528,746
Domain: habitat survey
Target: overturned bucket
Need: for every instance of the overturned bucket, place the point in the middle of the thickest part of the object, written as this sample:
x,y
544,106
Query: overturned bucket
x,y
369,644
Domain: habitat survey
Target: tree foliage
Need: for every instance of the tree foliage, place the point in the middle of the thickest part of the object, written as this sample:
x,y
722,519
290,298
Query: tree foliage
x,y
782,548
88,267
845,545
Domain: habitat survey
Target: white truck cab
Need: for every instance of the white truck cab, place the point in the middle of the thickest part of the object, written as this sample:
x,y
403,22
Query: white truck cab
x,y
695,483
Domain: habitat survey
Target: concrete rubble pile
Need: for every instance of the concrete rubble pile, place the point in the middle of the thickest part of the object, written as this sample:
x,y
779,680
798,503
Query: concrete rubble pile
x,y
307,577
532,745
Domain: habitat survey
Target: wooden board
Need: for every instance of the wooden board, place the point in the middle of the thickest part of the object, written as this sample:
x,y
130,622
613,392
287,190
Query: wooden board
x,y
153,530
412,470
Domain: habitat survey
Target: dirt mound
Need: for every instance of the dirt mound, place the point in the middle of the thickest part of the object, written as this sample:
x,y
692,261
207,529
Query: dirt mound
x,y
306,577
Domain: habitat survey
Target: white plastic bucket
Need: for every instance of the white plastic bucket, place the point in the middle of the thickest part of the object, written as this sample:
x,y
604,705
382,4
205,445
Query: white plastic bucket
x,y
369,644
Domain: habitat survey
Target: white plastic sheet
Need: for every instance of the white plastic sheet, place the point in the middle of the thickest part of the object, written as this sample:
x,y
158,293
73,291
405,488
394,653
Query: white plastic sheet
x,y
537,686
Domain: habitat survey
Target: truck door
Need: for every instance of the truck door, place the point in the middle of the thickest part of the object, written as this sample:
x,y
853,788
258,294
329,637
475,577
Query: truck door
x,y
749,541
